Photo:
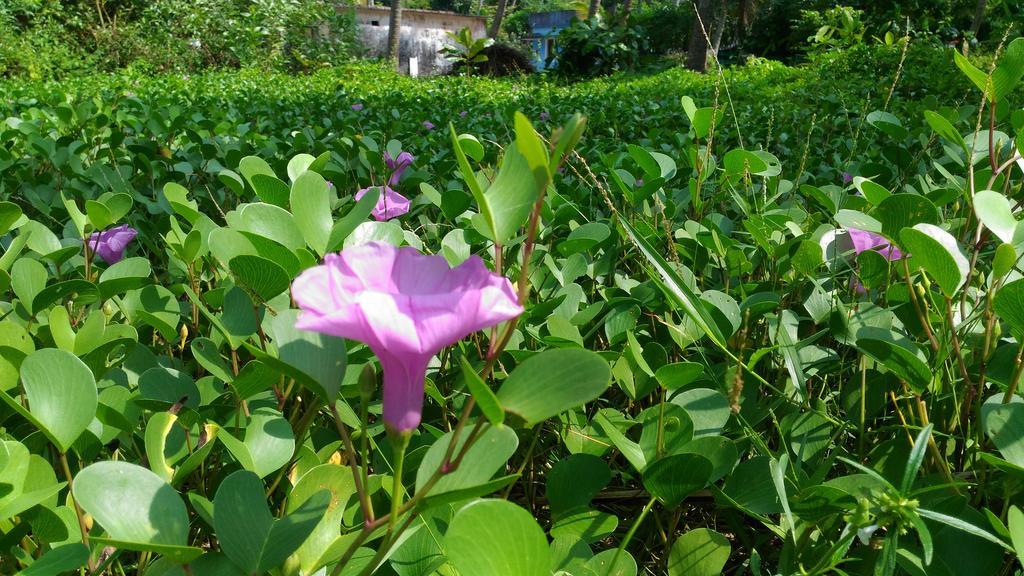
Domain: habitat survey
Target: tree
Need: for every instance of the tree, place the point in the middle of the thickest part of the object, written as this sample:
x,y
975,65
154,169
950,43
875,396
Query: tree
x,y
395,31
499,14
979,17
697,48
595,5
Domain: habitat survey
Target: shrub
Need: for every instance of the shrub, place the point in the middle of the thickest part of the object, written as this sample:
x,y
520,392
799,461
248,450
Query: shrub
x,y
594,47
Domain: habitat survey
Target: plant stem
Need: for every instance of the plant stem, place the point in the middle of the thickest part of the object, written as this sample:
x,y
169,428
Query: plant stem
x,y
364,496
629,535
401,442
78,509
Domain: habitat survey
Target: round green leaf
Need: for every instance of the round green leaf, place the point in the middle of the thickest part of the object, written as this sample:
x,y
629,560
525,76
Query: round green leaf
x,y
497,538
904,210
61,393
673,478
700,552
552,382
132,504
262,278
937,252
996,213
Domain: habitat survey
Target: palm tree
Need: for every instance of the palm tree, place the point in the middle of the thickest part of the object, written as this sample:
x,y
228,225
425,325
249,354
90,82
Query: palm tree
x,y
395,31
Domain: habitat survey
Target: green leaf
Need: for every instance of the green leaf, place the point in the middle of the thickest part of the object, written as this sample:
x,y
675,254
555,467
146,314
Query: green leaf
x,y
157,430
511,196
553,381
128,274
1008,304
472,147
356,216
488,455
249,534
901,211
675,376
995,212
311,206
915,459
1004,78
584,238
28,278
1004,425
944,128
673,478
61,393
208,356
601,564
574,481
81,291
261,277
937,252
963,526
9,214
700,552
678,290
272,222
497,538
708,410
1004,260
897,353
320,357
263,181
298,166
132,504
315,551
268,445
1016,525
482,393
58,561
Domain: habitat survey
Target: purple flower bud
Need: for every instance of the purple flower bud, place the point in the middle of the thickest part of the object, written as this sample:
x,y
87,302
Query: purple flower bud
x,y
428,124
847,178
110,244
544,116
357,106
463,114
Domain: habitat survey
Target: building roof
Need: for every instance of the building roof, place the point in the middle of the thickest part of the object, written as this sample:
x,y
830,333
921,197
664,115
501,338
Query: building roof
x,y
556,19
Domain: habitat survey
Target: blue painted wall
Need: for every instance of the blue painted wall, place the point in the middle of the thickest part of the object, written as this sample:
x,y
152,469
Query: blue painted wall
x,y
544,27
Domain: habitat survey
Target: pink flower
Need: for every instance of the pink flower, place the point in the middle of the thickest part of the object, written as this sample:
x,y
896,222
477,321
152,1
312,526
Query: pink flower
x,y
390,204
864,240
404,305
111,243
397,165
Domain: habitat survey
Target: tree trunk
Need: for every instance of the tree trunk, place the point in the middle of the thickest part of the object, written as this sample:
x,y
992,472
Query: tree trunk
x,y
718,26
595,5
627,7
979,17
697,49
496,23
395,31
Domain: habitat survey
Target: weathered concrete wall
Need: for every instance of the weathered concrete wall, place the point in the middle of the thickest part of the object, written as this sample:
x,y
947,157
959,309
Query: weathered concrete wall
x,y
424,33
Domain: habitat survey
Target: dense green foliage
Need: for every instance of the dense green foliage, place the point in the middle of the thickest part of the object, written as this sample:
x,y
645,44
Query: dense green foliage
x,y
51,38
708,376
